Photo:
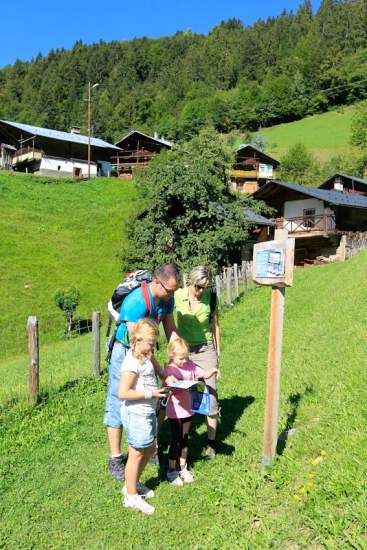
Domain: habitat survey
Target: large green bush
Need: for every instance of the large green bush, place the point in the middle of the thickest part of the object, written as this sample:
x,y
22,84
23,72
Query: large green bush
x,y
189,214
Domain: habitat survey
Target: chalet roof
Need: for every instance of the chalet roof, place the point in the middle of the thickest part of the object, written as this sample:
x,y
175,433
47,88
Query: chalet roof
x,y
138,134
338,198
258,218
250,215
58,135
346,176
267,157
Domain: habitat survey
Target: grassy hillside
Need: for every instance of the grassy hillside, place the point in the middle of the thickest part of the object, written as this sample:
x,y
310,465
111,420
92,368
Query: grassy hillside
x,y
55,491
325,135
55,235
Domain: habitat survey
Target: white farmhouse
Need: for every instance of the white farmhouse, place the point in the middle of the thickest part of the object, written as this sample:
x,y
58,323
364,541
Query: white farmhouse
x,y
324,222
52,152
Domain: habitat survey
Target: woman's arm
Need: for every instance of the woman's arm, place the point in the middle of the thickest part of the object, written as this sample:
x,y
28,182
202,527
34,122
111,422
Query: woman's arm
x,y
127,381
216,333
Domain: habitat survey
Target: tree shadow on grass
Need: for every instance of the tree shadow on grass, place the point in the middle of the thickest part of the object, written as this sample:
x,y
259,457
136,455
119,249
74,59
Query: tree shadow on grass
x,y
294,399
231,410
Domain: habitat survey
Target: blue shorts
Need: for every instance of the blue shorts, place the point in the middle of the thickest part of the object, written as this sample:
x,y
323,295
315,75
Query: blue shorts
x,y
140,430
113,404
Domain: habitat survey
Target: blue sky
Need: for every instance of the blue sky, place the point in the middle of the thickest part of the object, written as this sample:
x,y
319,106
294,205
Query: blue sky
x,y
29,27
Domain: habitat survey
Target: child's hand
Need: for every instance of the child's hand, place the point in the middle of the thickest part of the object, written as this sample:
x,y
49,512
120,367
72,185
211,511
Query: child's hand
x,y
170,380
212,372
159,393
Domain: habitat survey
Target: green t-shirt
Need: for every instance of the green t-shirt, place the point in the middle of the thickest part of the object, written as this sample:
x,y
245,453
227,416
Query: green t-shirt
x,y
194,327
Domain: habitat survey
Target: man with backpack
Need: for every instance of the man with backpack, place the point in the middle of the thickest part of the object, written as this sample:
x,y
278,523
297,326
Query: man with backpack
x,y
154,300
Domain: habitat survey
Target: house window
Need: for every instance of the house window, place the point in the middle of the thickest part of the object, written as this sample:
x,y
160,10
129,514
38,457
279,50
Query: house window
x,y
309,217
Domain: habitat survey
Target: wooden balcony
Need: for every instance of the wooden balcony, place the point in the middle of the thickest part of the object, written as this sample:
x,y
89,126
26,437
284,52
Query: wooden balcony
x,y
27,155
303,226
243,174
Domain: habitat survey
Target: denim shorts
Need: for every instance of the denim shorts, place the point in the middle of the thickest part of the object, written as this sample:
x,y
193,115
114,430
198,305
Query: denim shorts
x,y
140,430
113,404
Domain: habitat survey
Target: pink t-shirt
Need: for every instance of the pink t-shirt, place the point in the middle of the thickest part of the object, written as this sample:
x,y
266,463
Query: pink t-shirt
x,y
179,402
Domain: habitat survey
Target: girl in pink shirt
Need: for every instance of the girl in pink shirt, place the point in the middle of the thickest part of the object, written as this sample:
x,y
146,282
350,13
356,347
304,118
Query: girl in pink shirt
x,y
179,409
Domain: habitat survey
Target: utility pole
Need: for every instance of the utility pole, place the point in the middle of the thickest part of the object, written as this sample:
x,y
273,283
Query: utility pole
x,y
90,87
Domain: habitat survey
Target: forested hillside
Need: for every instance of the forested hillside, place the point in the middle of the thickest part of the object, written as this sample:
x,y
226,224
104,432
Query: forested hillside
x,y
237,78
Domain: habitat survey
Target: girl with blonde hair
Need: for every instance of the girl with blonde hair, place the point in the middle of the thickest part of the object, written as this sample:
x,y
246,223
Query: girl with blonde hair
x,y
139,391
179,410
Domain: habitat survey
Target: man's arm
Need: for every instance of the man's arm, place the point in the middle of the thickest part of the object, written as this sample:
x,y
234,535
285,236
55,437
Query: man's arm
x,y
170,328
162,373
157,368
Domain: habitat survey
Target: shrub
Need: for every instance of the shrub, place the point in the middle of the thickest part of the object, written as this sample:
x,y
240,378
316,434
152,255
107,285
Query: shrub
x,y
67,301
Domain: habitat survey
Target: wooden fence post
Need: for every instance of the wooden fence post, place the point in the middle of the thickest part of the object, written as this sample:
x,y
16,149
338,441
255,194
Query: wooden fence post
x,y
228,282
96,324
236,291
217,288
244,275
33,349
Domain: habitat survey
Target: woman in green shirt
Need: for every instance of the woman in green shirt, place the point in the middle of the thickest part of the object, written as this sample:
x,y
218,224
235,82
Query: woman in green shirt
x,y
197,323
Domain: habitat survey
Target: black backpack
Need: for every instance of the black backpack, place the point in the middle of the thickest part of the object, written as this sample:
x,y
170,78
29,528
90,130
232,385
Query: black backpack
x,y
136,279
132,281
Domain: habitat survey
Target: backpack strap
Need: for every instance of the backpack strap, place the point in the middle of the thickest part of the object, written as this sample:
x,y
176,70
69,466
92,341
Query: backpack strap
x,y
145,291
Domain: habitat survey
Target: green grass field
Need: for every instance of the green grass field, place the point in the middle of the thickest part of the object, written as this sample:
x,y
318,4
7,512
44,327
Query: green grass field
x,y
56,234
326,135
55,491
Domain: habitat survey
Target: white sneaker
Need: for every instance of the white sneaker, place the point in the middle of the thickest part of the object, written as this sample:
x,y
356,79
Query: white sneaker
x,y
142,490
137,503
186,476
174,478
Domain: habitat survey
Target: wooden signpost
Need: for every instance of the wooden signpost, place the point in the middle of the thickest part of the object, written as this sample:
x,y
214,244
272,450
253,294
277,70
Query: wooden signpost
x,y
273,266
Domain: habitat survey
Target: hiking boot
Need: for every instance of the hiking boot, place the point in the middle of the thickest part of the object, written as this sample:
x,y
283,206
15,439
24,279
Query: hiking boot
x,y
186,476
173,476
137,503
142,490
116,467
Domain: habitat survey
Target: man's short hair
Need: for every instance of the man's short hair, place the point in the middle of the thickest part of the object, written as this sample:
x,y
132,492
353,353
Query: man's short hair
x,y
165,272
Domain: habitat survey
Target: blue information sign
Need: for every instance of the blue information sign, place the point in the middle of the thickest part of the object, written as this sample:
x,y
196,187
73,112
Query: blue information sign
x,y
270,263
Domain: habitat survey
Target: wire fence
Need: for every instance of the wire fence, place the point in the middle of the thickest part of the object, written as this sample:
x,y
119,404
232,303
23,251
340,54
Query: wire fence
x,y
48,359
